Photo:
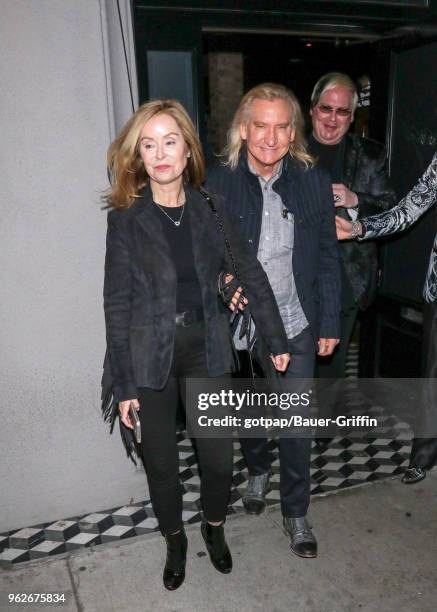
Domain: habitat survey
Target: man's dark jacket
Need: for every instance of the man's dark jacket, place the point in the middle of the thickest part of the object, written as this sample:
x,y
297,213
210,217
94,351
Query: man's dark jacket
x,y
140,295
365,173
306,193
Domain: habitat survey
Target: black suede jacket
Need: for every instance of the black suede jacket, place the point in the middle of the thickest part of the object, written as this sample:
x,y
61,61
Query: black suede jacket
x,y
140,294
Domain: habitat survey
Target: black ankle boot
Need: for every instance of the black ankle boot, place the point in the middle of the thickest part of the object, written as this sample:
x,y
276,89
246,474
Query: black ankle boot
x,y
219,552
174,570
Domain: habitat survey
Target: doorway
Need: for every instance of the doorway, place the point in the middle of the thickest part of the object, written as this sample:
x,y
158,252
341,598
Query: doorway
x,y
233,63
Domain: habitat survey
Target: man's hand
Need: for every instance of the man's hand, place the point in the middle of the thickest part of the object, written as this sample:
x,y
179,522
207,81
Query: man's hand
x,y
236,296
344,196
281,361
327,346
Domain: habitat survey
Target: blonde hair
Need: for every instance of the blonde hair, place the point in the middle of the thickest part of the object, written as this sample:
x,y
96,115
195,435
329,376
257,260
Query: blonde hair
x,y
331,80
270,92
125,166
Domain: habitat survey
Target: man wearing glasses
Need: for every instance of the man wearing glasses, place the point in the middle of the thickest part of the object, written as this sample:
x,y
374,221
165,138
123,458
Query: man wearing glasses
x,y
361,187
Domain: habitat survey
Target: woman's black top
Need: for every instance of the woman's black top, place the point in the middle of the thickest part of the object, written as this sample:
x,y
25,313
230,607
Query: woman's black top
x,y
188,294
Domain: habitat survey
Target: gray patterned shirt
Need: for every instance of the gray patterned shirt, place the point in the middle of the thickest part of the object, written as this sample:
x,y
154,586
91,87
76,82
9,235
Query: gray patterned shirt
x,y
275,252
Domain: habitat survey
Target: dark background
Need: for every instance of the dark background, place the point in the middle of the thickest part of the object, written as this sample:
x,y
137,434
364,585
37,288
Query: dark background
x,y
295,43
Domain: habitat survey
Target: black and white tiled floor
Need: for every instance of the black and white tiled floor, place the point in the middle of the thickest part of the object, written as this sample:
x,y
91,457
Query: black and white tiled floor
x,y
343,463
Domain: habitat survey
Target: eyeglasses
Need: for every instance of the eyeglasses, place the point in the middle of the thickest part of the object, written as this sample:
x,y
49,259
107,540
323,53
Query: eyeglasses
x,y
327,110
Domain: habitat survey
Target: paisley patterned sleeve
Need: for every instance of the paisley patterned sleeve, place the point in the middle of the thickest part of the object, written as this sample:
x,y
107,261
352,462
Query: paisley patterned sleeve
x,y
422,196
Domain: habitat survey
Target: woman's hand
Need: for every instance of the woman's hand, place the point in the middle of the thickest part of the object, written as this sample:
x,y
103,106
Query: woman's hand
x,y
344,228
123,408
281,361
236,296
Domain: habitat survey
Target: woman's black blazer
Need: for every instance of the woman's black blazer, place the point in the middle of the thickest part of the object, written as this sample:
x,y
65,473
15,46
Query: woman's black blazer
x,y
140,294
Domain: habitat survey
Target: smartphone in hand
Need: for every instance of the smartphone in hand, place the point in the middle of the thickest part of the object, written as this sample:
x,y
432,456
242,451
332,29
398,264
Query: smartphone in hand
x,y
135,420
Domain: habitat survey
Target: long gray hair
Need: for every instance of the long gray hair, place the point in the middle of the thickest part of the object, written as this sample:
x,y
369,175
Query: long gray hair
x,y
267,91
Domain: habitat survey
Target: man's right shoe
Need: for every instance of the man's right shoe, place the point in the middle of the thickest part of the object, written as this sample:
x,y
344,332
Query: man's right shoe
x,y
254,498
302,540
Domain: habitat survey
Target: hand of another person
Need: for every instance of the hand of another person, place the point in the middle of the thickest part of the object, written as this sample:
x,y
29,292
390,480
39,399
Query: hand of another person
x,y
281,361
344,228
327,346
123,408
344,196
232,304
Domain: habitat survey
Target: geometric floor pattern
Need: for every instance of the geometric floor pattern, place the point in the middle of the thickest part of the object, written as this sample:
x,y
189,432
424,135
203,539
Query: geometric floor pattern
x,y
341,463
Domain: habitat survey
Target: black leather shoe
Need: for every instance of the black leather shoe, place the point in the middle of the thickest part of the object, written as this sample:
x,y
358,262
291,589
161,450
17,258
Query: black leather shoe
x,y
254,498
413,474
219,553
174,570
302,540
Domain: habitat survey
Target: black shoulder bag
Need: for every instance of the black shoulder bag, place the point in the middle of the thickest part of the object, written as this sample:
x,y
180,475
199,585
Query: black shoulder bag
x,y
248,365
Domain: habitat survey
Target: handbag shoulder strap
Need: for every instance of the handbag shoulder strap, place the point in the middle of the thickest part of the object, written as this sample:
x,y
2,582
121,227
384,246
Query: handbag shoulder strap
x,y
247,325
222,230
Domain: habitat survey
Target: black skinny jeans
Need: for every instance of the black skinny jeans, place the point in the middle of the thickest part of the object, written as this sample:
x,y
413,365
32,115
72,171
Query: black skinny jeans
x,y
157,413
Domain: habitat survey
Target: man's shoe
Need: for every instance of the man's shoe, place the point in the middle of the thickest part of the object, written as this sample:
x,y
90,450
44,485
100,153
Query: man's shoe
x,y
219,553
302,540
174,570
254,498
413,474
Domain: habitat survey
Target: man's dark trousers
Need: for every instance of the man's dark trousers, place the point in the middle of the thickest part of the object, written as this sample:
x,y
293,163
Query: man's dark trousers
x,y
334,366
294,453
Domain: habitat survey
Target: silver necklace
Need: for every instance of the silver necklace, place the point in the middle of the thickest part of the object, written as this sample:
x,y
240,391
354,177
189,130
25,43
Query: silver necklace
x,y
178,222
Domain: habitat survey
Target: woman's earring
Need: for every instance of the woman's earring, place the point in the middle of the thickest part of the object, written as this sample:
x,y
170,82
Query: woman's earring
x,y
189,154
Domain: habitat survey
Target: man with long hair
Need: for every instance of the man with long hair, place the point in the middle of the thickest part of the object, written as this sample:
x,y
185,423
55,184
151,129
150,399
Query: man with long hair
x,y
283,206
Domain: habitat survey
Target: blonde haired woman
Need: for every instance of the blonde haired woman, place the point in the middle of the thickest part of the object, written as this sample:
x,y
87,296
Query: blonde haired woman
x,y
164,320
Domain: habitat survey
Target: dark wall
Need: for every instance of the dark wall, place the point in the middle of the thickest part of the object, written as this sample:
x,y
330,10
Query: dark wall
x,y
380,68
165,25
412,143
289,60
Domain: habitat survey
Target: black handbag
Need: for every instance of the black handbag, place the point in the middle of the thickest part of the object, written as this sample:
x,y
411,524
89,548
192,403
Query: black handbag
x,y
251,362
